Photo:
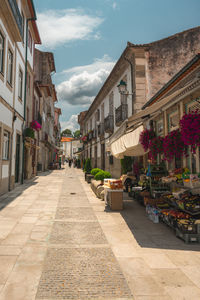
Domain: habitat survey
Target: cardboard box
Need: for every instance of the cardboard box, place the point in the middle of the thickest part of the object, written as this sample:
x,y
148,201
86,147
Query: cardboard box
x,y
115,200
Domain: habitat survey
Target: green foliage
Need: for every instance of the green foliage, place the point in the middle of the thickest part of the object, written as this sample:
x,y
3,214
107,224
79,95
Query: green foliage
x,y
66,132
107,174
87,167
84,160
29,132
77,134
101,175
126,164
95,171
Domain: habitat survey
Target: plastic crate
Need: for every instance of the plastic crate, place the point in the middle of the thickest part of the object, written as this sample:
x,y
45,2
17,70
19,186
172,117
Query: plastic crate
x,y
188,237
190,228
191,184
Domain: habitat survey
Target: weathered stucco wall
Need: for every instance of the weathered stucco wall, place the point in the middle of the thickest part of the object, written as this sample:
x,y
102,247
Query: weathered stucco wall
x,y
166,57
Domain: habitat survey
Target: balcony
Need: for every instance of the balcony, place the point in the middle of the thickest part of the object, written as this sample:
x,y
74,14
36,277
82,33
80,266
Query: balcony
x,y
11,12
94,134
90,135
100,130
109,124
121,114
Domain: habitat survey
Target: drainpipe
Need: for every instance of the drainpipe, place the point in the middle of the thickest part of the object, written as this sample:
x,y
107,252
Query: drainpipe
x,y
133,94
25,80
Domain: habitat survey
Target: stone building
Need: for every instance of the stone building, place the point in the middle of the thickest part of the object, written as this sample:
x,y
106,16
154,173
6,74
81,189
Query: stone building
x,y
179,96
43,68
143,70
18,36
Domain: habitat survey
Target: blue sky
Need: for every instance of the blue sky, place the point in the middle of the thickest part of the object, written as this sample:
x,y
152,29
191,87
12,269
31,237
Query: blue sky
x,y
88,36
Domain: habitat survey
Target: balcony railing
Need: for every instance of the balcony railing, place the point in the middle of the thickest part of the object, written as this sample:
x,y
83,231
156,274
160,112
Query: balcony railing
x,y
90,135
121,114
94,134
100,130
109,124
16,14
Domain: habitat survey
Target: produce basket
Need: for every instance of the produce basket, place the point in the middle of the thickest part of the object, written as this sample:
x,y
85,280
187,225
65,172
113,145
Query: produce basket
x,y
187,228
191,183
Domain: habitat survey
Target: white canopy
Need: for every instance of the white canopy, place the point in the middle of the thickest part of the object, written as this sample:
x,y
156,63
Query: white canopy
x,y
128,144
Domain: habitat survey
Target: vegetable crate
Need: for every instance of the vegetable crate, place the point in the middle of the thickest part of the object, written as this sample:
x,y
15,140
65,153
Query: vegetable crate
x,y
188,237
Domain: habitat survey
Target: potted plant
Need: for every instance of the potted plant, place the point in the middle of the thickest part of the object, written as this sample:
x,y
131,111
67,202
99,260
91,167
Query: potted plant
x,y
156,147
173,145
101,175
190,130
145,137
29,132
87,167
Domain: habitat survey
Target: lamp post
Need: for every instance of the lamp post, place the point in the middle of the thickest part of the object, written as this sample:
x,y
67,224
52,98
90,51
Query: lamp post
x,y
122,88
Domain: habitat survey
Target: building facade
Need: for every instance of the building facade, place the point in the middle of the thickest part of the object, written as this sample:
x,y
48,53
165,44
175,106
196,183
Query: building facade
x,y
18,36
143,70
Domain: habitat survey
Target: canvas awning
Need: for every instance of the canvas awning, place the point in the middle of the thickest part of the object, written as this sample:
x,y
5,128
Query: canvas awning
x,y
128,144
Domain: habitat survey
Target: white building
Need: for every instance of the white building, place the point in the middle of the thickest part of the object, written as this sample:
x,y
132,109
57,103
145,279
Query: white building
x,y
18,36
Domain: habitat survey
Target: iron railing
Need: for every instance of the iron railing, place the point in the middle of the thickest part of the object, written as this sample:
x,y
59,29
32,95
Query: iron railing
x,y
109,124
121,114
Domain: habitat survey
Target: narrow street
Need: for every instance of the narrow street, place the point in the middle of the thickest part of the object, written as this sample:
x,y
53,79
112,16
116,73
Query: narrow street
x,y
57,242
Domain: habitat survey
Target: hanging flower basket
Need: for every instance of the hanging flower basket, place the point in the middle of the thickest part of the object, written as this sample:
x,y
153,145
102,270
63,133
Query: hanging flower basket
x,y
84,139
173,145
36,125
145,137
155,147
190,130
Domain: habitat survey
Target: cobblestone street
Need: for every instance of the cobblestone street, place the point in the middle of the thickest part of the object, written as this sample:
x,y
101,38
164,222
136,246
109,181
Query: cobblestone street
x,y
57,242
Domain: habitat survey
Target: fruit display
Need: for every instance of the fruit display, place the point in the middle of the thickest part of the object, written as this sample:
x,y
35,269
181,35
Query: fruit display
x,y
115,184
186,202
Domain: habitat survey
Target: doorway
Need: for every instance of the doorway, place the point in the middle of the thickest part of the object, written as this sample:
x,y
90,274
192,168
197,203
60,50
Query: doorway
x,y
103,156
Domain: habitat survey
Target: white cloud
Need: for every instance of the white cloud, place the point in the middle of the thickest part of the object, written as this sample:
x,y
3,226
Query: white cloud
x,y
114,5
84,82
71,124
63,26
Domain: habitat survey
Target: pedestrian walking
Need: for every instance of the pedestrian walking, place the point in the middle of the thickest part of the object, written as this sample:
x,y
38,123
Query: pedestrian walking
x,y
70,162
60,161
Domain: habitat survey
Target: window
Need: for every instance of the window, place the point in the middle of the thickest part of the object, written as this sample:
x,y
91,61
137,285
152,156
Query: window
x,y
30,41
159,128
6,145
173,121
28,83
20,84
111,105
22,26
10,67
1,52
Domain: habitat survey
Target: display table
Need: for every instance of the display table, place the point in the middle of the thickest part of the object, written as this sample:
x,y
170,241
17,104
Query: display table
x,y
113,198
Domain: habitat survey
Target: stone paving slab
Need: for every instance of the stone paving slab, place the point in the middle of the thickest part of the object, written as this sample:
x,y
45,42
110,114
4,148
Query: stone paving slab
x,y
77,233
82,274
80,213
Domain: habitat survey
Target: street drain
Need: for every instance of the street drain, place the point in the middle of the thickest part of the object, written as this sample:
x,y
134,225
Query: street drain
x,y
72,193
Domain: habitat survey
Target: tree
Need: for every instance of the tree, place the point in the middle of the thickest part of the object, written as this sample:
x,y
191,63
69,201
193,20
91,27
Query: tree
x,y
77,134
66,132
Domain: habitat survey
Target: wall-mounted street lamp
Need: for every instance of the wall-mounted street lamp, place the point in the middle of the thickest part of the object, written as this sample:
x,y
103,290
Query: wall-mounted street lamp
x,y
122,88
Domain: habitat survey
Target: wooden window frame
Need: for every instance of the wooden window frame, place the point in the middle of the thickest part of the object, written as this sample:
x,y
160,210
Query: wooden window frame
x,y
20,85
169,122
10,80
2,70
6,157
